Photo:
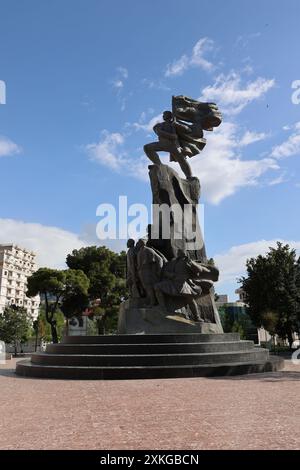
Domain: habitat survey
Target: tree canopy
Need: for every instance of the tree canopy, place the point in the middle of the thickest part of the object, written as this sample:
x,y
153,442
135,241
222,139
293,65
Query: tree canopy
x,y
15,324
106,271
272,288
66,290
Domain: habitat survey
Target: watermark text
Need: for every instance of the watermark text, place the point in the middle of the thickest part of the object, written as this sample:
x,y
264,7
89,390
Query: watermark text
x,y
2,352
296,94
177,222
2,92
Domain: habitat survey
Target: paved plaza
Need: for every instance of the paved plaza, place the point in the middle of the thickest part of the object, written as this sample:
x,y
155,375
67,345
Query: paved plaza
x,y
259,411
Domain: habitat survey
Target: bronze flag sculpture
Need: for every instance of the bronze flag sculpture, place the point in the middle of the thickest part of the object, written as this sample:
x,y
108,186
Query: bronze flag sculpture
x,y
181,132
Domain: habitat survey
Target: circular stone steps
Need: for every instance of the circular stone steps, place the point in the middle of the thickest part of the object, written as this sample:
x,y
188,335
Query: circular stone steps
x,y
131,360
149,348
153,338
148,356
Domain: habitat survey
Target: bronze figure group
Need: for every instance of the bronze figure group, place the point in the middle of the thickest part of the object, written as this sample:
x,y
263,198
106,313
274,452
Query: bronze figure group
x,y
152,277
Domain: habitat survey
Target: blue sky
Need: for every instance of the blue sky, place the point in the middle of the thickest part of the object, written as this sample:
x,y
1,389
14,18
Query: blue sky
x,y
85,81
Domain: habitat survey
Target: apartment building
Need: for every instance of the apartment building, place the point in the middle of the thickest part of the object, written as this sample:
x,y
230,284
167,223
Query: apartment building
x,y
16,265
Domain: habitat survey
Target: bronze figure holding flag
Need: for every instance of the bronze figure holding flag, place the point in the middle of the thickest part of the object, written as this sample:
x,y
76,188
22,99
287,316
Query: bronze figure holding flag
x,y
181,132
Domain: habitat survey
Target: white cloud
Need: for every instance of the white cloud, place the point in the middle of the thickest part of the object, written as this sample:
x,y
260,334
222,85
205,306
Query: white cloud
x,y
279,180
123,72
178,66
155,84
220,167
248,69
244,39
232,264
118,84
200,48
290,147
51,244
231,95
107,150
195,59
148,126
121,76
251,137
8,147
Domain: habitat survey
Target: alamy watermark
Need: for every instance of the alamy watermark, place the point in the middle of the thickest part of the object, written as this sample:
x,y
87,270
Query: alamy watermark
x,y
2,352
296,94
2,92
296,357
165,221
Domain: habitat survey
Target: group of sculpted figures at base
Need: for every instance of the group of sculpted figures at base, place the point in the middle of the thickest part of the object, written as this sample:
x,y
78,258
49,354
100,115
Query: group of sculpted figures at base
x,y
150,276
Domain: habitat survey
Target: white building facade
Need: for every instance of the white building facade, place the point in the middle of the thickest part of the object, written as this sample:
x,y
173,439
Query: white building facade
x,y
16,265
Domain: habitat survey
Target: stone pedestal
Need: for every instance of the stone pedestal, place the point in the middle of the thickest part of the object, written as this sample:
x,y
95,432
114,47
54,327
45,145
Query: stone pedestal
x,y
137,319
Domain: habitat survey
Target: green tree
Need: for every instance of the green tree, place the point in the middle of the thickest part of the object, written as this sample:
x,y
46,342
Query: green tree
x,y
232,324
35,327
15,324
44,329
106,272
272,285
49,284
66,290
75,295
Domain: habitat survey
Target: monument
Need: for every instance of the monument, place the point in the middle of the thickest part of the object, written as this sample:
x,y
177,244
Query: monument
x,y
171,266
169,326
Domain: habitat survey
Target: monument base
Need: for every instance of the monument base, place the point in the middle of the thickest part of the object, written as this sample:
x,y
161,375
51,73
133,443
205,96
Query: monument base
x,y
135,319
145,356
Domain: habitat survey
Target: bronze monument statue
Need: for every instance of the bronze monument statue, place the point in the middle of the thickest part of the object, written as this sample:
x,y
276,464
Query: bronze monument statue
x,y
170,277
